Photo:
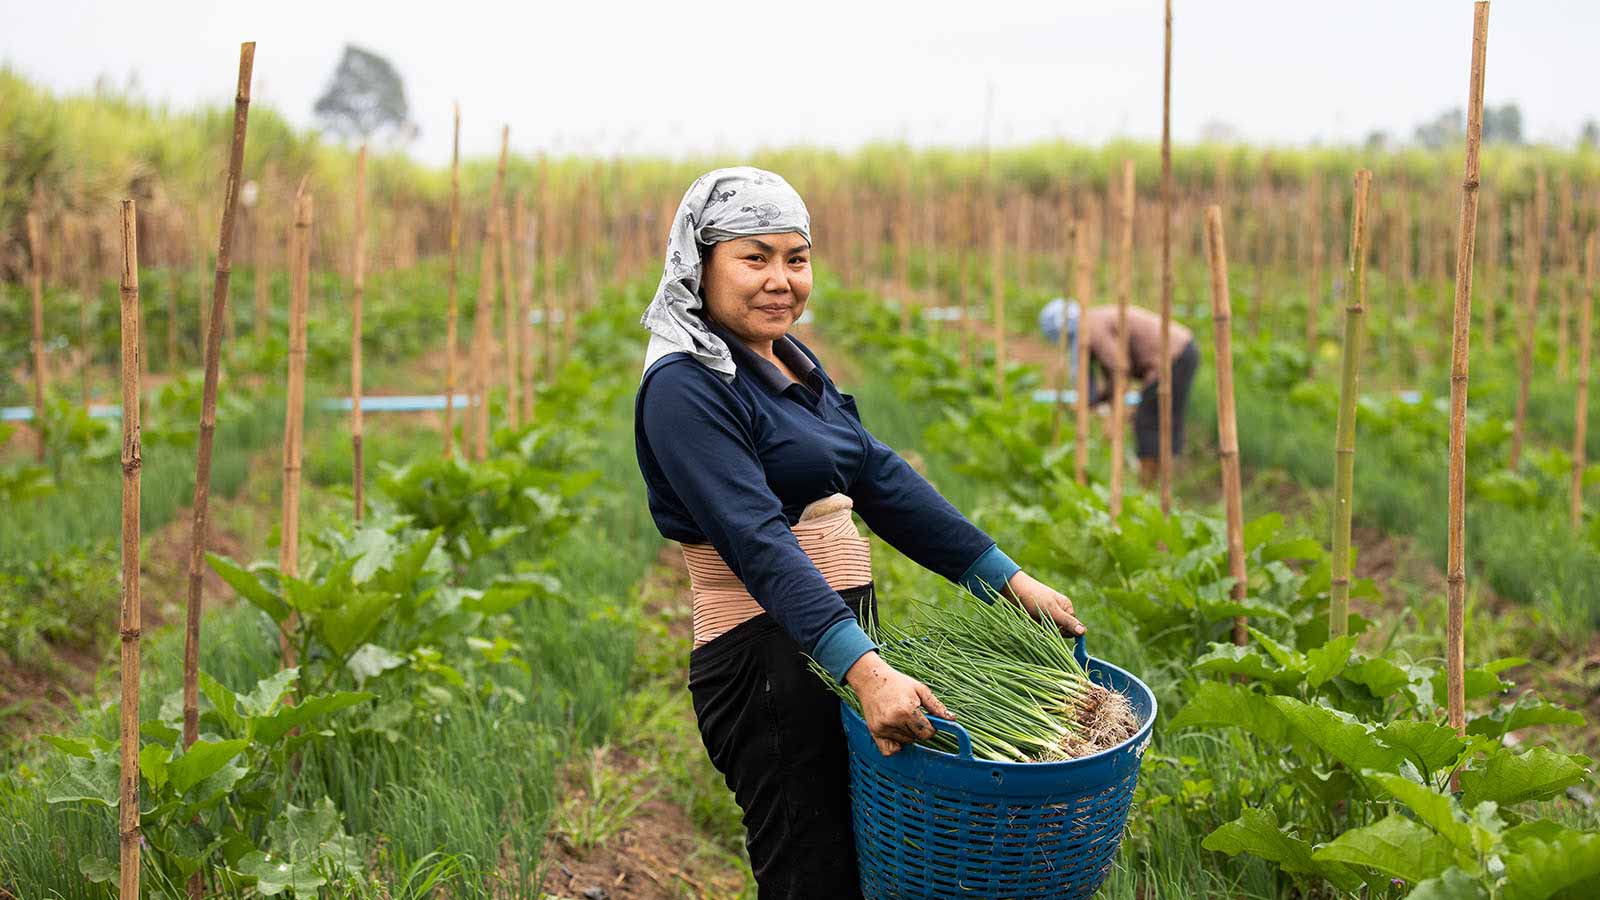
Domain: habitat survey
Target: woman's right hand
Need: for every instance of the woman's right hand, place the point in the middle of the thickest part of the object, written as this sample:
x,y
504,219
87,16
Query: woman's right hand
x,y
893,703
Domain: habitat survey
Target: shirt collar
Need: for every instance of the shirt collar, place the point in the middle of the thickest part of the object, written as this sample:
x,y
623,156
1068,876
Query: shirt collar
x,y
785,348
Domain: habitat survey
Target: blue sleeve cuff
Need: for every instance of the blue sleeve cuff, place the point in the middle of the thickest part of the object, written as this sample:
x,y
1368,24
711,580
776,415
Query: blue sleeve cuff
x,y
840,646
990,571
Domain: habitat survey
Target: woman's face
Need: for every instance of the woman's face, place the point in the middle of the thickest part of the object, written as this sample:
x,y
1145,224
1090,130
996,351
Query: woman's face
x,y
758,286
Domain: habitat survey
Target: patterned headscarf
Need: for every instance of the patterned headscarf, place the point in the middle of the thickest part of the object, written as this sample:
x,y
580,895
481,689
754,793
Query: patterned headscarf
x,y
721,205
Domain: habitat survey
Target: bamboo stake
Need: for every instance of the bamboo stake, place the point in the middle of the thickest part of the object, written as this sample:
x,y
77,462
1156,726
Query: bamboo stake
x,y
294,413
1227,426
1077,231
513,328
1119,361
1533,232
547,270
199,533
1314,273
482,316
1164,389
1491,263
1344,452
261,249
89,271
36,284
902,249
997,263
172,287
967,221
1455,565
1580,432
451,314
1085,285
526,232
358,291
1564,267
132,610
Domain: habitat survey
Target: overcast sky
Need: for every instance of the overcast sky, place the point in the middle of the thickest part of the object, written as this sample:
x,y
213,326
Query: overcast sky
x,y
686,77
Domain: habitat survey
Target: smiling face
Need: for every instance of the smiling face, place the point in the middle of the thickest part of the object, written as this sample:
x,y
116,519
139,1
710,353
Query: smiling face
x,y
758,286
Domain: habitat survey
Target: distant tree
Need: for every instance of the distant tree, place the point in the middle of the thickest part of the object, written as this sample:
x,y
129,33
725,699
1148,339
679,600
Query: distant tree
x,y
1442,130
1590,136
364,97
1377,140
1502,124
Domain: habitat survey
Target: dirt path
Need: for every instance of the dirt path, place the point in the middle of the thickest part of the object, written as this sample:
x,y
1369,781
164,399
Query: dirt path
x,y
658,783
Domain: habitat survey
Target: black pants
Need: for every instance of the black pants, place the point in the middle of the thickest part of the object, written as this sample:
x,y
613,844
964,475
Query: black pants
x,y
772,729
1147,420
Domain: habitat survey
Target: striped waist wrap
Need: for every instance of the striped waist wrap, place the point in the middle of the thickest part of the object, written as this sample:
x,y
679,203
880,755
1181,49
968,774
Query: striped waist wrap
x,y
826,533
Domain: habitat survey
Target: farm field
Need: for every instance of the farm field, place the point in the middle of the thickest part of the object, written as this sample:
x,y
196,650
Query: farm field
x,y
443,652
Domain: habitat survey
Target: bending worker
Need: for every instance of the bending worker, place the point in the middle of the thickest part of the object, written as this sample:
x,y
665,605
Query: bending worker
x,y
754,461
1099,323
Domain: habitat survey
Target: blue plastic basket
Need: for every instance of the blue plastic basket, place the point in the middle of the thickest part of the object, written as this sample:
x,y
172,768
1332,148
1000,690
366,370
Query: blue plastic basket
x,y
931,825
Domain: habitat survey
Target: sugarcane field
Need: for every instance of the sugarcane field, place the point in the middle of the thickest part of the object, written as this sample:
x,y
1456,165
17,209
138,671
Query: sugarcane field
x,y
1133,450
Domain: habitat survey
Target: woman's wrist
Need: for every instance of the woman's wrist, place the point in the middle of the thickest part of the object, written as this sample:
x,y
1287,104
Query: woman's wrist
x,y
868,672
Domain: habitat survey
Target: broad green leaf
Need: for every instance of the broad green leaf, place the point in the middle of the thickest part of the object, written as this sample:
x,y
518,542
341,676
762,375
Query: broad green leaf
x,y
1505,664
388,718
1336,786
96,780
153,764
275,874
1519,715
1437,811
1257,832
1566,865
78,747
346,624
223,702
249,587
268,691
1260,530
370,661
1431,746
1232,659
1221,705
314,833
1299,548
99,870
372,549
269,729
1339,734
1327,661
1507,778
1451,884
157,730
1287,657
1379,676
1477,682
1394,845
215,785
202,760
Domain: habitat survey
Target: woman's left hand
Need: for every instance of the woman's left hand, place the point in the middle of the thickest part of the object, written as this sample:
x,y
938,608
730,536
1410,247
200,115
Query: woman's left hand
x,y
1041,600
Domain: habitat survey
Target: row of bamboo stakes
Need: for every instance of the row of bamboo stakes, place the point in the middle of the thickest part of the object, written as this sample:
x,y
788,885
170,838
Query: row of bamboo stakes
x,y
505,229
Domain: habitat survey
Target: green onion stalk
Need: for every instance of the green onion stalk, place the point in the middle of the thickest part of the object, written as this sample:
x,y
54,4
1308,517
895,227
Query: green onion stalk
x,y
1011,681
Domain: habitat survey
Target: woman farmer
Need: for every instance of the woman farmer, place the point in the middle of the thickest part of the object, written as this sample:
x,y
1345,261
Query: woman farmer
x,y
753,461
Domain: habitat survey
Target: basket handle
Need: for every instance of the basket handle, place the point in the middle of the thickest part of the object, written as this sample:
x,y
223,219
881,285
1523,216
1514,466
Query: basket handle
x,y
1081,651
954,729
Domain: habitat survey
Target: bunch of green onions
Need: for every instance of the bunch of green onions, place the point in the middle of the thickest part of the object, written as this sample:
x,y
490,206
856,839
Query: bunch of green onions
x,y
1011,681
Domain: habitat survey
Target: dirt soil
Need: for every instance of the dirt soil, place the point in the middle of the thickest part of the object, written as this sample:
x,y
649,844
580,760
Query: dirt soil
x,y
658,854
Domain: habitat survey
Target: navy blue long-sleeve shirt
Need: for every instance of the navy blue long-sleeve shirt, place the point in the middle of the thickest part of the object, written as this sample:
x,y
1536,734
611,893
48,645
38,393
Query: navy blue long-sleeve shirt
x,y
733,464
